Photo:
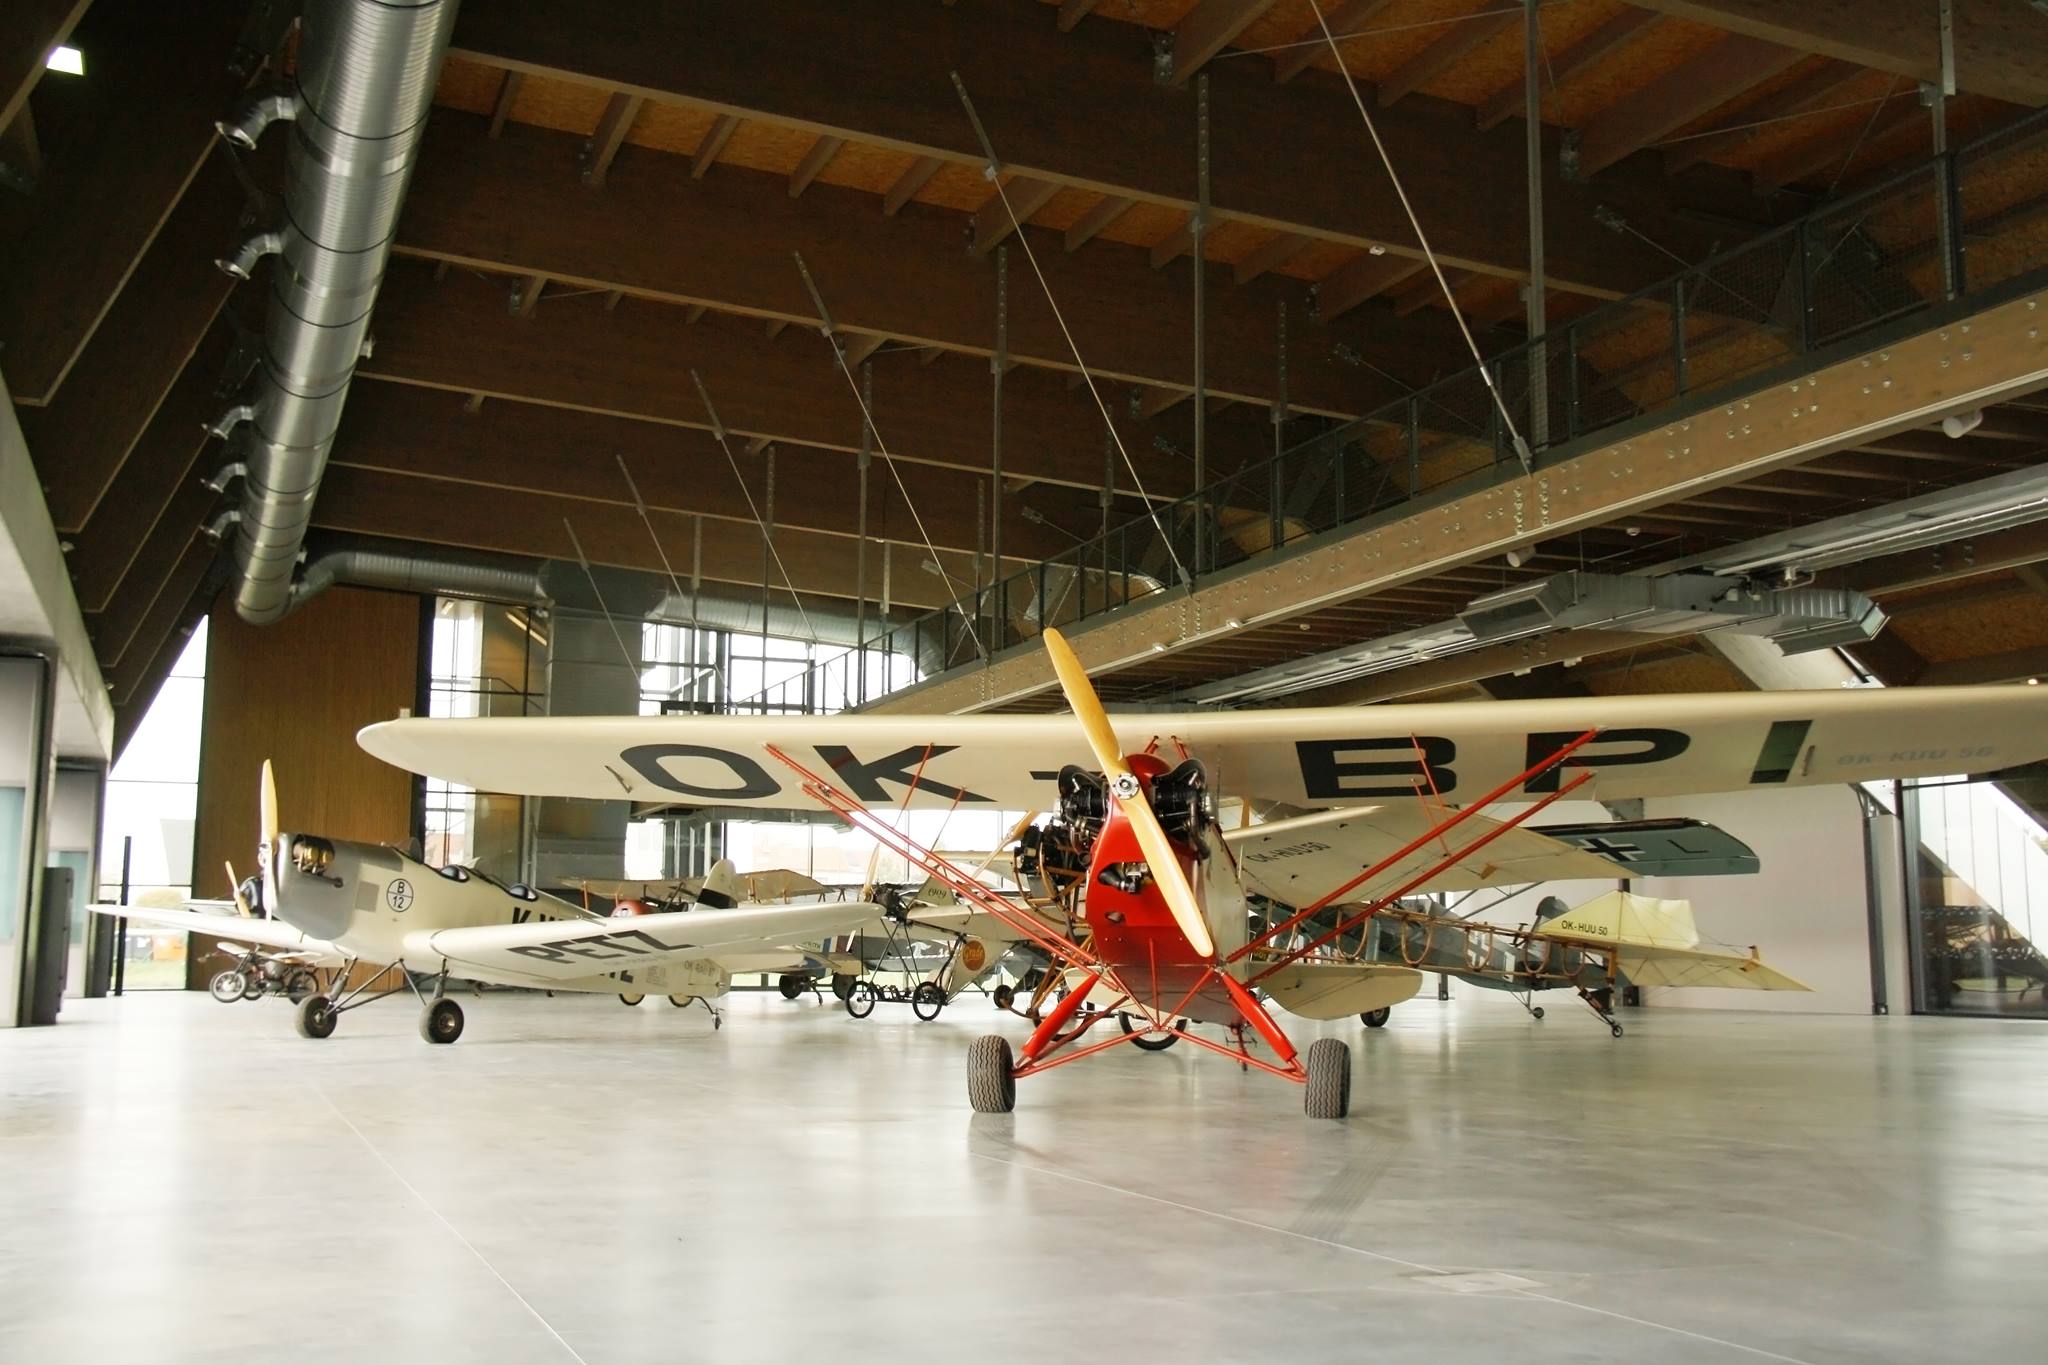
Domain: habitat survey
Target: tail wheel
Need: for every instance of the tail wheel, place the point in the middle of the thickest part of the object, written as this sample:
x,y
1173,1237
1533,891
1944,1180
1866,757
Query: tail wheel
x,y
860,1000
682,1002
1143,1039
927,1000
625,999
791,985
1328,1061
1377,1018
1004,997
226,986
316,1017
441,1021
991,1075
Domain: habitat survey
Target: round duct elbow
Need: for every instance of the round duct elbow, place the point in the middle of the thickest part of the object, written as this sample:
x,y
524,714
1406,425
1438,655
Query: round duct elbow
x,y
255,114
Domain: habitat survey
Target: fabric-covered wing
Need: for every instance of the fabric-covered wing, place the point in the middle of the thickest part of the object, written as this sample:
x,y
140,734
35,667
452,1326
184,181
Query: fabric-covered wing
x,y
262,933
1301,860
1657,944
1337,990
1665,966
561,950
1646,746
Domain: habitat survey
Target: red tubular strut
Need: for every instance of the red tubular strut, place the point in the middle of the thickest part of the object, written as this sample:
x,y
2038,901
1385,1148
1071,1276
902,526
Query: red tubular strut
x,y
1435,832
1042,1036
1256,1014
1362,916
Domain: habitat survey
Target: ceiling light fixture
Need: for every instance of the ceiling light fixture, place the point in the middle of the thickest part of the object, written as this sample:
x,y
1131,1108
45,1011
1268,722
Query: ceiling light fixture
x,y
68,60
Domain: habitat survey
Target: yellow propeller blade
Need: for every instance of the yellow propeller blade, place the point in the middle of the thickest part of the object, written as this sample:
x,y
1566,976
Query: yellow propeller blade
x,y
1152,840
267,804
235,890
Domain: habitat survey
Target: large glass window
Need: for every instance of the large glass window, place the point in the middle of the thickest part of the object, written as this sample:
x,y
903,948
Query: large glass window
x,y
151,805
1978,896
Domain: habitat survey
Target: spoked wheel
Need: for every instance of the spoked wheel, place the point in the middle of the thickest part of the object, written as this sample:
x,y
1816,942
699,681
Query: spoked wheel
x,y
791,985
682,1002
860,1000
1377,1018
226,986
927,1000
1329,1079
299,985
842,983
1142,1036
252,985
441,1021
625,999
991,1076
316,1017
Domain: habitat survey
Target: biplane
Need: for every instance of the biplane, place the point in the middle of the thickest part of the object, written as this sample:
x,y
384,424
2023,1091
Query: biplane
x,y
1167,939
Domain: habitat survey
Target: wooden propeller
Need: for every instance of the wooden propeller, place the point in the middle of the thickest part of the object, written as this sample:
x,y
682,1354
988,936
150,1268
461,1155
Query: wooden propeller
x,y
1130,794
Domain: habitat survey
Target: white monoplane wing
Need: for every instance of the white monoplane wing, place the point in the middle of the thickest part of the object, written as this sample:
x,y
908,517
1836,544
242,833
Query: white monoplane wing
x,y
1347,756
565,949
1302,860
232,928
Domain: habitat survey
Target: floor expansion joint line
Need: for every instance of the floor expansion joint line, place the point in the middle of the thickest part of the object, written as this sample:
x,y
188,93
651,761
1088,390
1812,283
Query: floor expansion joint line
x,y
453,1231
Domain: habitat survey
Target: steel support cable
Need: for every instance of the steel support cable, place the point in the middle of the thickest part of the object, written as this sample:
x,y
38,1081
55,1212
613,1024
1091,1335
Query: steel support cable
x,y
1522,451
718,431
994,172
830,331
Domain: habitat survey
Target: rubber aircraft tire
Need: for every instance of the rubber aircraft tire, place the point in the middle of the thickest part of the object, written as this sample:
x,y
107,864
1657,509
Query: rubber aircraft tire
x,y
1004,997
991,1075
226,986
1377,1018
626,999
860,1000
1142,1042
927,1000
299,985
682,1002
1328,1093
791,985
441,1021
1536,1013
316,1017
842,984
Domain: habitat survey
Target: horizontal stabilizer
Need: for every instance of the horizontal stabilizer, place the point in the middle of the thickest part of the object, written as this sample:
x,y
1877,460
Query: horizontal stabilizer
x,y
1660,848
1656,944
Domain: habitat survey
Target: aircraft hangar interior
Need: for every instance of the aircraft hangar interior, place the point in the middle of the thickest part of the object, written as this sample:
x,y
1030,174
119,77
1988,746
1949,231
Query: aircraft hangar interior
x,y
1215,680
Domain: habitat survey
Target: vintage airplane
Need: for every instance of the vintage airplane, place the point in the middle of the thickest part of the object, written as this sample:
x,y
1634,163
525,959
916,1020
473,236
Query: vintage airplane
x,y
1645,942
1163,903
372,904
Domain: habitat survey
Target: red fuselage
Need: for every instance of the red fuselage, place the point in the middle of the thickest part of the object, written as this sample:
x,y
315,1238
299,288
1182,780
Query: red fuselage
x,y
1134,933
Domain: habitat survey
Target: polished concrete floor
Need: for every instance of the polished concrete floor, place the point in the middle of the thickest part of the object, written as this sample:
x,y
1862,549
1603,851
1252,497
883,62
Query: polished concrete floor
x,y
575,1181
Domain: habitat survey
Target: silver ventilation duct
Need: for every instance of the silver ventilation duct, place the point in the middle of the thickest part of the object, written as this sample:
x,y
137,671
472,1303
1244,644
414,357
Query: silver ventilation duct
x,y
365,82
425,574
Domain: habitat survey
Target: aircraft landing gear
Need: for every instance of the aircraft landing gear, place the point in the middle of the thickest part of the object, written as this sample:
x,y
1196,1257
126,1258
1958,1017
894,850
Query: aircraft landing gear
x,y
791,985
1142,1039
625,999
1328,1093
316,1017
226,986
683,1002
842,985
1377,1018
441,1021
991,1075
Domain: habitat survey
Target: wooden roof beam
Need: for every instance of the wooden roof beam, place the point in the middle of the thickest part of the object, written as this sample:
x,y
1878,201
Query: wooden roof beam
x,y
1073,12
1457,42
508,95
815,160
1998,47
1812,91
612,127
1271,256
1617,33
1345,288
1089,224
1174,244
712,144
1703,84
1022,196
1309,44
1207,29
909,183
1828,154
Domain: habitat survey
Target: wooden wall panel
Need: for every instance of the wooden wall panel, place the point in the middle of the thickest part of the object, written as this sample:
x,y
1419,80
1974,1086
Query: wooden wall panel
x,y
296,692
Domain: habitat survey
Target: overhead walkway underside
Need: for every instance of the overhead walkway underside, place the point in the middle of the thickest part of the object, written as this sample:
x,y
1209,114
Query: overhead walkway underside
x,y
1857,429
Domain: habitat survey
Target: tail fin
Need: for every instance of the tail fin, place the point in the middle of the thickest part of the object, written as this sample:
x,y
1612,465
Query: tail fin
x,y
722,887
1621,918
